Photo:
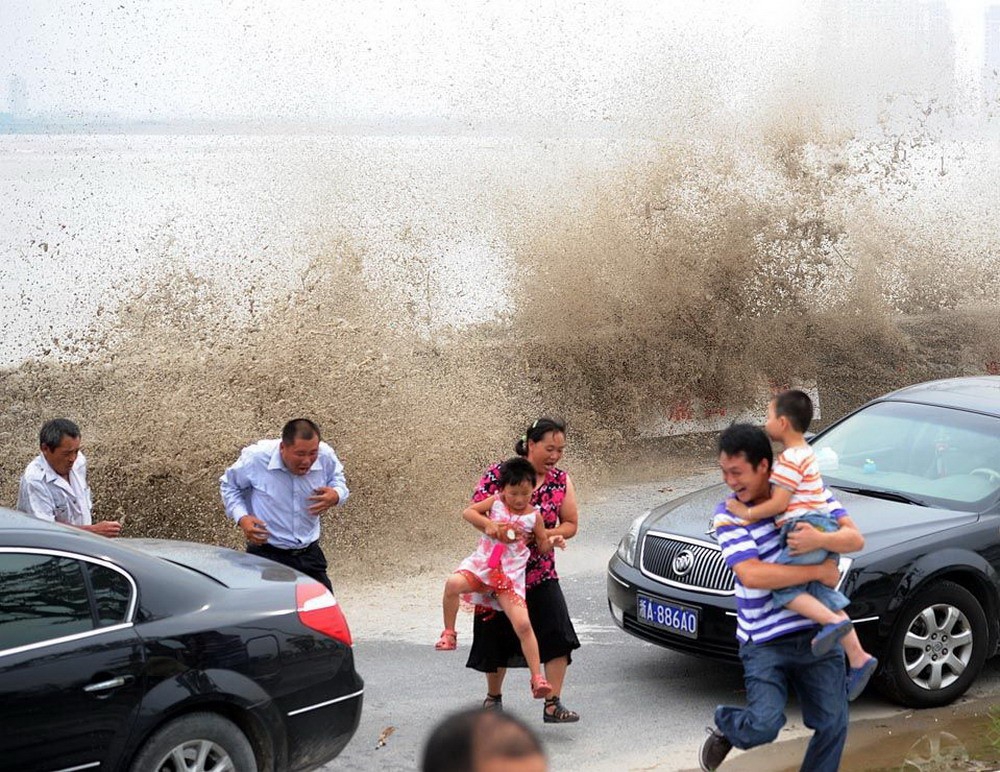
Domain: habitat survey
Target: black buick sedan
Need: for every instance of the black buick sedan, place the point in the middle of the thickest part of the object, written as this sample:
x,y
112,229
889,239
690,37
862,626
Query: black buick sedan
x,y
918,470
165,656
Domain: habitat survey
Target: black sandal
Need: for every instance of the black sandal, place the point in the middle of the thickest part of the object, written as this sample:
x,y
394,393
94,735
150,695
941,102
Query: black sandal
x,y
560,713
493,702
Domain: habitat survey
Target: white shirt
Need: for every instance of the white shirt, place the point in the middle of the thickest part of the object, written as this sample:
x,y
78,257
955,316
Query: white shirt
x,y
48,496
260,484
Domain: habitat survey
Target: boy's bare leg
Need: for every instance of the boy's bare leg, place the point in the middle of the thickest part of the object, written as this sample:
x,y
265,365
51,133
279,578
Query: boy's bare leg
x,y
856,655
812,608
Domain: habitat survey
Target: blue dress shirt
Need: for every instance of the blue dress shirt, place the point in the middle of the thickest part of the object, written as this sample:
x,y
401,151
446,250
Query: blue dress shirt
x,y
259,484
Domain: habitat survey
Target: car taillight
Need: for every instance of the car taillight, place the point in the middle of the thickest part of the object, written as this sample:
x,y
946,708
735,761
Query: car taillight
x,y
318,610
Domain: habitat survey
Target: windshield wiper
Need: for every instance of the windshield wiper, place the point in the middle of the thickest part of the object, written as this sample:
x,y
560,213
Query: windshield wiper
x,y
887,495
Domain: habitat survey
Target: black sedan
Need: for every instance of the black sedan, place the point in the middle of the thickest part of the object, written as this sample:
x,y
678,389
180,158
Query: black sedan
x,y
919,472
166,656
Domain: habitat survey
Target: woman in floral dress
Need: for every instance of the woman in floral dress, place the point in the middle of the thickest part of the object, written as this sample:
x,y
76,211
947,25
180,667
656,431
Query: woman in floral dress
x,y
495,646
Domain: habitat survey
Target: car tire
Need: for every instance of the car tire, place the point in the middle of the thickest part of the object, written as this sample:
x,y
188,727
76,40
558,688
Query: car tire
x,y
194,734
923,668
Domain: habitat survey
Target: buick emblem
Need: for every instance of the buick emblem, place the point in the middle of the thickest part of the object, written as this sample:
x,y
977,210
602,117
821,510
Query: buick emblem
x,y
683,563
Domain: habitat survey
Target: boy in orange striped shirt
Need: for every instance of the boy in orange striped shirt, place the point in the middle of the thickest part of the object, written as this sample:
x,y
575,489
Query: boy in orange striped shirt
x,y
798,495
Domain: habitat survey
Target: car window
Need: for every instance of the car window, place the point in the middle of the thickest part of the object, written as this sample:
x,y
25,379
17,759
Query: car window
x,y
942,456
41,597
112,593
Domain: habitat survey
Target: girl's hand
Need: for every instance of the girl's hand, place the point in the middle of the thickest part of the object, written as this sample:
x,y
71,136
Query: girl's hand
x,y
505,533
736,507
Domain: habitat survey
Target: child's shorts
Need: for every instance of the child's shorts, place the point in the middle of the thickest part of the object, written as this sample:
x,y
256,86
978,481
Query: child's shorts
x,y
829,597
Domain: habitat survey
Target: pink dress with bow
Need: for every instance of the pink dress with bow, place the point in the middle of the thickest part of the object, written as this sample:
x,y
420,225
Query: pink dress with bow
x,y
505,573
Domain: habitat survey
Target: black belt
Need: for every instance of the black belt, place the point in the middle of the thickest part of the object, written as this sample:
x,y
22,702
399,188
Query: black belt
x,y
296,551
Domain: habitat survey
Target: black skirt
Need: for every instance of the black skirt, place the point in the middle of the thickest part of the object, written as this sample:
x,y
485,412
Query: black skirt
x,y
496,645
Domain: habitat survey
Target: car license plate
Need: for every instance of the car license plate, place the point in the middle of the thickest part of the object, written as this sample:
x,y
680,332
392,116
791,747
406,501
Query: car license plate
x,y
682,620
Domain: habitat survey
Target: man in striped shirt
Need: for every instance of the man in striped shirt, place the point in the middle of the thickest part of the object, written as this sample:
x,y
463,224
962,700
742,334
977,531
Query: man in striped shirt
x,y
774,641
799,495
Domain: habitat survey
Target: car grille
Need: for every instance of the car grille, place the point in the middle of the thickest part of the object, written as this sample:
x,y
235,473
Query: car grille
x,y
706,571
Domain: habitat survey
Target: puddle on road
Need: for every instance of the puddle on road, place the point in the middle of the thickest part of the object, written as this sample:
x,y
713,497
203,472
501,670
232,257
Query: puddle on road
x,y
959,738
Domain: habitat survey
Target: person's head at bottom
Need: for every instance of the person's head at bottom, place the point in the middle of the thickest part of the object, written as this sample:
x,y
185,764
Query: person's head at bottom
x,y
480,740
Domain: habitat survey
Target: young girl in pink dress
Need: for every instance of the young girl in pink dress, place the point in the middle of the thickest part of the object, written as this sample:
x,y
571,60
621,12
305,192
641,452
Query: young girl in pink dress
x,y
493,575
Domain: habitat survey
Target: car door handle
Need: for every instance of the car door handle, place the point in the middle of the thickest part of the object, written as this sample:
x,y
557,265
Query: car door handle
x,y
111,683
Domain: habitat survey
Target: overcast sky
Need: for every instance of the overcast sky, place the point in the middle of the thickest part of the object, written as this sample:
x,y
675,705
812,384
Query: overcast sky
x,y
364,59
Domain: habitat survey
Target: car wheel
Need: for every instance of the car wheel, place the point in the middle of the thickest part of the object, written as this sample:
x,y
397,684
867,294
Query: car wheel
x,y
198,742
937,647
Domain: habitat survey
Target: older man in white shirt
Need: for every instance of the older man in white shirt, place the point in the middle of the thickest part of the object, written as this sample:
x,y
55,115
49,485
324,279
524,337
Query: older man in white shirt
x,y
54,485
277,491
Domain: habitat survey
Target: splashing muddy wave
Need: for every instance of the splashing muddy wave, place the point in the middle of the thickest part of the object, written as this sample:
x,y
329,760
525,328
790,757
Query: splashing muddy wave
x,y
680,267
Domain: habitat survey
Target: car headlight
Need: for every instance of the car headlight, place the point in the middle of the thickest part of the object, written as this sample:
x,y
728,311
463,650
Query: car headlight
x,y
626,547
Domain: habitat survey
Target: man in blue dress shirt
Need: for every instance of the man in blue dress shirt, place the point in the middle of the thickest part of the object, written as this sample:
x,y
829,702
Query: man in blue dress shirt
x,y
277,491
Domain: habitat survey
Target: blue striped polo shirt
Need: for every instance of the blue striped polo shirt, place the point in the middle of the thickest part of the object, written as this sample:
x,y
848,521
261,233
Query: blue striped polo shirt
x,y
759,619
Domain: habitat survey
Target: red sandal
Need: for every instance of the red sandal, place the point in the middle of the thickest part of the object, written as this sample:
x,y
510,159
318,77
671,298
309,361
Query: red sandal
x,y
448,641
540,688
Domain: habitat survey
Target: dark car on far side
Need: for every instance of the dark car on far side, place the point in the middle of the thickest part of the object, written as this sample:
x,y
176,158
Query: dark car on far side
x,y
918,470
150,655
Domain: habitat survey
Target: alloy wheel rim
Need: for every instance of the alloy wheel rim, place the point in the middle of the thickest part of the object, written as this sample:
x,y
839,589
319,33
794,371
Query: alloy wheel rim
x,y
937,647
197,756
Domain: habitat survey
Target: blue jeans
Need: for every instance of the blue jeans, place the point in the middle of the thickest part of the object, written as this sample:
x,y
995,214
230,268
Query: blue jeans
x,y
768,670
829,597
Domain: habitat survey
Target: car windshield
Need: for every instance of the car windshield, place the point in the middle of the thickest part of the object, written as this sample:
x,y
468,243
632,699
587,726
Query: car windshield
x,y
931,455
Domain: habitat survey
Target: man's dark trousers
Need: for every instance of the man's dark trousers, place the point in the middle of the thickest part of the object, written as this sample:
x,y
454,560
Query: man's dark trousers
x,y
309,560
768,670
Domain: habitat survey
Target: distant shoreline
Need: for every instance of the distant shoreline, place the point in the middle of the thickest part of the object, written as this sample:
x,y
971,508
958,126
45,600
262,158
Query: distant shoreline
x,y
979,130
387,127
